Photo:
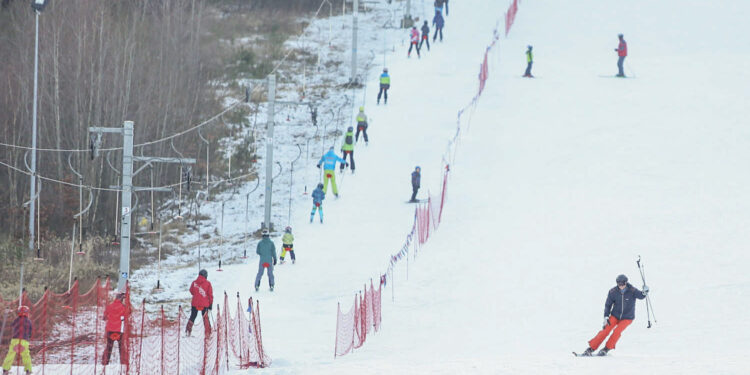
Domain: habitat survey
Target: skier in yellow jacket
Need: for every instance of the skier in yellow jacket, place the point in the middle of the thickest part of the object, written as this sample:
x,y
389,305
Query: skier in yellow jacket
x,y
287,244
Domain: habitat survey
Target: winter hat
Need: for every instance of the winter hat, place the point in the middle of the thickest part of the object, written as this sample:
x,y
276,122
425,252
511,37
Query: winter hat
x,y
23,311
203,273
621,279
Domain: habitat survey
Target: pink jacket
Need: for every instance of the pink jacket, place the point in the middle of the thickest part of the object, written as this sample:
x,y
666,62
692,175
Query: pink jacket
x,y
414,36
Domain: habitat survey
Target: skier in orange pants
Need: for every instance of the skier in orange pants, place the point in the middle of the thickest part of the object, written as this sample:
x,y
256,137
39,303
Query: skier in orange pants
x,y
619,312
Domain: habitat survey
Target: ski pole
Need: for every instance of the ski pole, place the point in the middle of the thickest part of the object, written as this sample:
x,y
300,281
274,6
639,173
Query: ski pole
x,y
649,307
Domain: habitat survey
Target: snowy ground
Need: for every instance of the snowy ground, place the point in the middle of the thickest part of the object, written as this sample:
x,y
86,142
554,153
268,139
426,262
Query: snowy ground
x,y
559,184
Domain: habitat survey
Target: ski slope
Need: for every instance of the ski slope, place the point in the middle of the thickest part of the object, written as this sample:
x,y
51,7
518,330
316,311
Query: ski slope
x,y
559,184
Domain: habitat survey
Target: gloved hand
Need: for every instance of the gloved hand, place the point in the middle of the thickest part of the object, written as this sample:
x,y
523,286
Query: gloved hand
x,y
210,306
318,166
274,262
645,290
606,322
616,50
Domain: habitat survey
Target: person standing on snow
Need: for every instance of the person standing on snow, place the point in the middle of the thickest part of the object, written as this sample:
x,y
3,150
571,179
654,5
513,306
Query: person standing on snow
x,y
622,53
439,6
203,299
414,37
347,148
385,84
416,178
21,329
438,22
619,312
425,36
318,195
267,252
115,315
329,166
287,244
362,121
529,62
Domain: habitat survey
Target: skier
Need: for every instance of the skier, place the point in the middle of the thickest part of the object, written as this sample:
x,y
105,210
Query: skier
x,y
385,84
267,251
19,342
362,121
347,148
287,244
619,312
438,22
414,37
203,300
329,159
115,315
425,35
416,178
439,6
529,62
622,53
318,195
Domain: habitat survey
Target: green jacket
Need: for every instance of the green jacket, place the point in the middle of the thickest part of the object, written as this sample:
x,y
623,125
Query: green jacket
x,y
287,239
348,144
267,251
529,56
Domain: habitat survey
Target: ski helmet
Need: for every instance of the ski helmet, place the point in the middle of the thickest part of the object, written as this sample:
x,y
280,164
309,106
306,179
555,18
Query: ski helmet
x,y
203,273
619,36
288,229
23,311
385,70
350,129
265,233
621,279
320,185
417,168
120,296
529,47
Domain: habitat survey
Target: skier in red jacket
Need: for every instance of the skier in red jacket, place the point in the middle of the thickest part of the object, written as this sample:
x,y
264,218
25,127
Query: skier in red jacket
x,y
115,315
203,299
622,53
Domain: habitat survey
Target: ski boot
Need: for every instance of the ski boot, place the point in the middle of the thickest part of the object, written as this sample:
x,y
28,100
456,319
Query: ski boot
x,y
294,261
603,352
257,287
588,352
272,288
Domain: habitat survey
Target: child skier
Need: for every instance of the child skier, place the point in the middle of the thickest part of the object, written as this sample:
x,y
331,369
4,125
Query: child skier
x,y
529,62
416,178
438,22
362,121
115,315
203,299
267,259
329,165
385,84
425,35
19,342
318,195
287,244
619,312
347,148
414,37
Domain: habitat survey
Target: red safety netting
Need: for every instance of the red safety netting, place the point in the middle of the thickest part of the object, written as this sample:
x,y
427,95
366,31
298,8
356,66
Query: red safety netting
x,y
353,326
69,337
510,16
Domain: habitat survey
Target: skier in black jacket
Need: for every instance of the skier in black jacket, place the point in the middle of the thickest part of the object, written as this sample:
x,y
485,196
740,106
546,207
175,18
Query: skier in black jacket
x,y
425,36
619,312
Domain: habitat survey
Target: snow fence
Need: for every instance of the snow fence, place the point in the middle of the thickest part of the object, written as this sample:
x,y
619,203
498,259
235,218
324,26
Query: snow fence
x,y
69,336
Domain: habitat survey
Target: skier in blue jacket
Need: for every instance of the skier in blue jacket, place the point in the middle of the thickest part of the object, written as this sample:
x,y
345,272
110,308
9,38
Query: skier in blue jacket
x,y
318,195
329,169
438,21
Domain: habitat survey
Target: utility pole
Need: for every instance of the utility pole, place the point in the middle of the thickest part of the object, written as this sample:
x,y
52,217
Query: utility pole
x,y
269,150
407,21
32,193
128,189
355,13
